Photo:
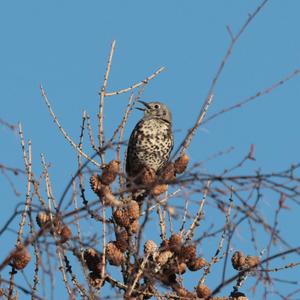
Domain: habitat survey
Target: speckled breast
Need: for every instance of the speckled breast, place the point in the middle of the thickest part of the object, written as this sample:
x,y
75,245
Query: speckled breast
x,y
150,145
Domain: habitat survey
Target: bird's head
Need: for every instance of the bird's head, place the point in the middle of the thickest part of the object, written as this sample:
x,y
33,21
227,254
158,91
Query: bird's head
x,y
156,110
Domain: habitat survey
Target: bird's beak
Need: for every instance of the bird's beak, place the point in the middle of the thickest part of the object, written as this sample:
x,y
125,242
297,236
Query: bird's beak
x,y
145,104
139,108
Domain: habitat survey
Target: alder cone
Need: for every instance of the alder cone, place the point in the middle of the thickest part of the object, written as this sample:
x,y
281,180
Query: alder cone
x,y
150,247
134,227
93,260
110,172
181,163
238,296
163,257
252,261
20,258
178,267
188,252
238,260
95,183
203,291
159,189
122,241
114,255
95,280
147,177
42,218
65,234
168,173
175,243
121,217
133,210
196,264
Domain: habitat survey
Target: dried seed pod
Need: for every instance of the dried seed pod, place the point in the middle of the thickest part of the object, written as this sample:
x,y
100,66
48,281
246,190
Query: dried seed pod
x,y
203,291
164,245
196,264
42,218
95,280
168,279
133,210
147,176
114,255
93,260
159,189
181,163
168,173
178,267
175,243
122,241
110,172
188,252
121,217
238,260
20,258
95,183
163,257
65,234
150,247
252,261
238,296
56,225
134,227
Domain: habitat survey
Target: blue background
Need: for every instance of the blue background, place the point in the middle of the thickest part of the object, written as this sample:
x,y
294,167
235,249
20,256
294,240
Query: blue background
x,y
64,46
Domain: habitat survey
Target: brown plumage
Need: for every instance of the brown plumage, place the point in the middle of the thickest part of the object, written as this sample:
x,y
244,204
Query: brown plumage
x,y
151,141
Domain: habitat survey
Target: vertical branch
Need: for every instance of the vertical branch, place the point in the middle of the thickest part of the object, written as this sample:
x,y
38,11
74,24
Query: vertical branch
x,y
90,133
191,133
23,146
101,105
190,232
104,242
28,167
50,196
162,224
215,258
209,98
28,198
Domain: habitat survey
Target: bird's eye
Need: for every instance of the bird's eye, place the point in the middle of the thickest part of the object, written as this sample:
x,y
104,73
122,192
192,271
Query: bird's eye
x,y
156,106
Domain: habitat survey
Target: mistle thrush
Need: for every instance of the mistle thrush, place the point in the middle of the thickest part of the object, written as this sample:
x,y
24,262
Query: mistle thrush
x,y
151,141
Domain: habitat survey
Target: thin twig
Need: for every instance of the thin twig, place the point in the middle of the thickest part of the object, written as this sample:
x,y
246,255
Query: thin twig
x,y
187,140
138,275
190,232
253,97
235,277
90,133
136,85
215,258
101,104
162,224
211,90
67,137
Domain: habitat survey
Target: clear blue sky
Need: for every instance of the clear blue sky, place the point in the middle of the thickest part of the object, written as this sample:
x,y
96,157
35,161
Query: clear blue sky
x,y
64,46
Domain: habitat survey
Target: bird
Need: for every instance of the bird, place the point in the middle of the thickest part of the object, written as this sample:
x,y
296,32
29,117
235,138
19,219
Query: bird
x,y
151,140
